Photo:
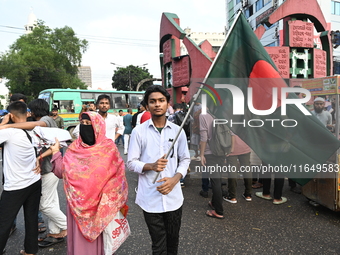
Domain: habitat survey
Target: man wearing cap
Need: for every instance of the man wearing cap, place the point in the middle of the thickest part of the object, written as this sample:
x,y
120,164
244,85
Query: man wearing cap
x,y
324,116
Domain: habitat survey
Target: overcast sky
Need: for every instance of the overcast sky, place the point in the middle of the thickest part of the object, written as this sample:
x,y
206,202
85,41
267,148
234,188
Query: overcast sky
x,y
122,32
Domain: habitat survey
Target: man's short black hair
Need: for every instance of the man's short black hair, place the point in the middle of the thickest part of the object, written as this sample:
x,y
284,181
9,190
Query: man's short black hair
x,y
18,108
54,109
120,111
39,107
177,106
103,96
17,97
156,88
143,103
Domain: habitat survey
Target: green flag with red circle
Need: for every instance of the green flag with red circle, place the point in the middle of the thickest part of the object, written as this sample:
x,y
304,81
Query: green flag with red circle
x,y
292,143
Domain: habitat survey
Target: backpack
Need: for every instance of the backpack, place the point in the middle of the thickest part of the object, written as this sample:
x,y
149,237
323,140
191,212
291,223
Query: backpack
x,y
179,117
220,143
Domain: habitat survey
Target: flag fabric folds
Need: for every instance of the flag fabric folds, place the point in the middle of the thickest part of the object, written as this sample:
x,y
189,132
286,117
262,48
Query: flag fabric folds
x,y
294,150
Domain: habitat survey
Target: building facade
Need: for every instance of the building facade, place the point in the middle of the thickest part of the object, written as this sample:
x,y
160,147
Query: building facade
x,y
85,75
331,11
215,39
254,10
257,10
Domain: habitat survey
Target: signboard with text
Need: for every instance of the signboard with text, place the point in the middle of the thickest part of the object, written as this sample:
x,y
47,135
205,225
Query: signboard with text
x,y
322,86
319,63
280,56
301,34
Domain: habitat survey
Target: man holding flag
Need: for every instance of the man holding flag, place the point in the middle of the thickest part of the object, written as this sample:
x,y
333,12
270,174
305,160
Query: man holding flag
x,y
162,200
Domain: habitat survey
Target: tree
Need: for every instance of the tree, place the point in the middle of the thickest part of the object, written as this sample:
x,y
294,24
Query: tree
x,y
127,78
43,59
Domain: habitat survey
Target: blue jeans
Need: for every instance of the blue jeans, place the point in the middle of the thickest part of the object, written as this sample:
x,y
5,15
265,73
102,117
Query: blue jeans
x,y
120,138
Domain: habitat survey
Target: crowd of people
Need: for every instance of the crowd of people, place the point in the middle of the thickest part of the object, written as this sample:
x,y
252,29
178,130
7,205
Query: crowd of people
x,y
93,171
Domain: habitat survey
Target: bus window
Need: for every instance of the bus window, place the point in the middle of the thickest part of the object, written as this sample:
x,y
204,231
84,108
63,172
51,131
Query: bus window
x,y
46,96
66,106
134,100
86,95
119,100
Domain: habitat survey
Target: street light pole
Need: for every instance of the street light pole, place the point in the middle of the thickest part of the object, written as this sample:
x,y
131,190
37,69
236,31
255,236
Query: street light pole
x,y
130,79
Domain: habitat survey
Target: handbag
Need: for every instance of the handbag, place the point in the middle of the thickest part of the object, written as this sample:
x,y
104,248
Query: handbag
x,y
115,234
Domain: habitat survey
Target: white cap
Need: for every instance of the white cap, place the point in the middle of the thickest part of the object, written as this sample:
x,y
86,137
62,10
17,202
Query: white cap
x,y
319,99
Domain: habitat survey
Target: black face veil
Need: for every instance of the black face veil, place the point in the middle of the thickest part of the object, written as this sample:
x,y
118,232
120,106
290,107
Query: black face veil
x,y
86,131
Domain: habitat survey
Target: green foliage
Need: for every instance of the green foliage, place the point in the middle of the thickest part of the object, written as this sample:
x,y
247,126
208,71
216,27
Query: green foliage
x,y
127,78
43,59
2,106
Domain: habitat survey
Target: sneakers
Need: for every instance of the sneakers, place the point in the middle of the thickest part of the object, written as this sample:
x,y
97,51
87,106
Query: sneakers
x,y
247,198
230,200
198,158
204,194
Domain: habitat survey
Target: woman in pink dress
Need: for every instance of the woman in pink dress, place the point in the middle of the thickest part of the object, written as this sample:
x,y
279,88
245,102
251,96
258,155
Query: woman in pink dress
x,y
94,183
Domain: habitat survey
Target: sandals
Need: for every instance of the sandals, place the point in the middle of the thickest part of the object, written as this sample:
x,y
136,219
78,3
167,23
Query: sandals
x,y
257,185
41,227
22,252
213,214
48,241
211,206
42,237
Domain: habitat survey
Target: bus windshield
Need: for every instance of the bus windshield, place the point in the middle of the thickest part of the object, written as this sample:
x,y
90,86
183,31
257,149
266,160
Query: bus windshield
x,y
45,96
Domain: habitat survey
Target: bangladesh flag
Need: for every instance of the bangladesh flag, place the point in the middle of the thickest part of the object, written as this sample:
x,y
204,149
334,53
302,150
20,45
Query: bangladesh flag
x,y
295,143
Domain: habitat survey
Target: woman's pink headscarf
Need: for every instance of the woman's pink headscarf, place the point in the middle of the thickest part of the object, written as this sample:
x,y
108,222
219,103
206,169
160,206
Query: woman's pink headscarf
x,y
94,181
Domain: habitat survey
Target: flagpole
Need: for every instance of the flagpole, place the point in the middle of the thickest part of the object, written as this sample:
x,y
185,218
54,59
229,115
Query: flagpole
x,y
181,126
195,97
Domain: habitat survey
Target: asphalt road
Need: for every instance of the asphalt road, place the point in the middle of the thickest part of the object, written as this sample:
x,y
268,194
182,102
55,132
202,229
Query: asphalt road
x,y
256,227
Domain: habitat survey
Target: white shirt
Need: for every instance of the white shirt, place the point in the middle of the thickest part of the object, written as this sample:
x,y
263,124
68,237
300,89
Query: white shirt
x,y
19,159
113,122
324,116
139,117
147,145
75,131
